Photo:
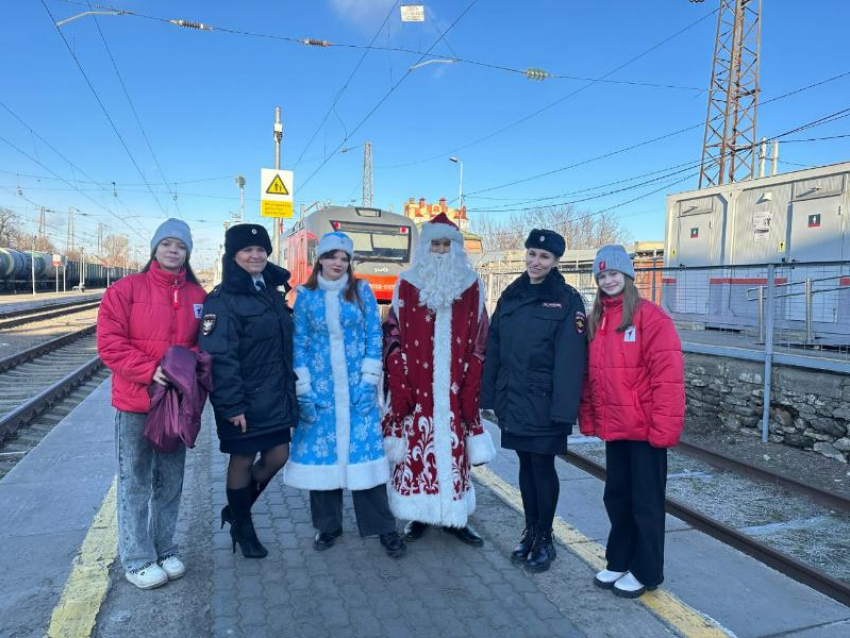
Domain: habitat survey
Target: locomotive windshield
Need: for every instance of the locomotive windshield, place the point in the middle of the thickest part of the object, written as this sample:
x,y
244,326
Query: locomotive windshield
x,y
377,242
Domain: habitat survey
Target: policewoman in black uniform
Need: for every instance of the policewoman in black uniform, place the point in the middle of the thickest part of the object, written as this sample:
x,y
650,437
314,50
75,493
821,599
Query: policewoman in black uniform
x,y
247,328
536,353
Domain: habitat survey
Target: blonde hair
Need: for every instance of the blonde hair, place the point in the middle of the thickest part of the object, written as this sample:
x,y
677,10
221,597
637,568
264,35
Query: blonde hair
x,y
631,299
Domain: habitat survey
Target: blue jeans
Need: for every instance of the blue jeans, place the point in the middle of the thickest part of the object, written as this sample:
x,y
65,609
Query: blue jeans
x,y
149,488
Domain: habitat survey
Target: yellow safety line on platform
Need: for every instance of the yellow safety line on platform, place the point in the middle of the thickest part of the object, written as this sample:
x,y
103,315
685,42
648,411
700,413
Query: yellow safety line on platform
x,y
662,603
85,589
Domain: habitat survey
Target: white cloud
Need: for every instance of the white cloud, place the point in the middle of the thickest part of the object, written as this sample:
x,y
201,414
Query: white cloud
x,y
364,14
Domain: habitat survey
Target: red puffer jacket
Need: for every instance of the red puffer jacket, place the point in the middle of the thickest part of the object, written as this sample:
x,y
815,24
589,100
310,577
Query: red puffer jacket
x,y
635,387
140,317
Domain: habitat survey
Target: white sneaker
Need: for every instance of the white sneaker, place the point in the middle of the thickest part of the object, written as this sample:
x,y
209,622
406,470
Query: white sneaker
x,y
173,567
629,587
606,578
148,577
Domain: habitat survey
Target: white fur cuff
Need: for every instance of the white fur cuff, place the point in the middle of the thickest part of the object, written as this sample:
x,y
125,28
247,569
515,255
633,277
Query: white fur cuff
x,y
371,379
302,384
394,448
480,449
372,366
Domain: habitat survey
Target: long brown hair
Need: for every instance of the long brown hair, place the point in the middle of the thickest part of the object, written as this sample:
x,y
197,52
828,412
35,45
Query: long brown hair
x,y
631,299
351,293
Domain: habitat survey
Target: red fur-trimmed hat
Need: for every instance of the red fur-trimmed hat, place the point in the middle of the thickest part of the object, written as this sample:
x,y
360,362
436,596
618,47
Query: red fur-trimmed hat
x,y
441,227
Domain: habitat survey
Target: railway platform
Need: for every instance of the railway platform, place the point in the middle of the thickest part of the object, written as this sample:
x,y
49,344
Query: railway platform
x,y
59,575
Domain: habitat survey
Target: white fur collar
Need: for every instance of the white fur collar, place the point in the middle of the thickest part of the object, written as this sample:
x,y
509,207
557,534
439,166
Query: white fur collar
x,y
337,285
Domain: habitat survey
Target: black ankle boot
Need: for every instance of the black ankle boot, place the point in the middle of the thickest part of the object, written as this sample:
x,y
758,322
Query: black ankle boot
x,y
523,549
542,552
242,529
393,544
256,489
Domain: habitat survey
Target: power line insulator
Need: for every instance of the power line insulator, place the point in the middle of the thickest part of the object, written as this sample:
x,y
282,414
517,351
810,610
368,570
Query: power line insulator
x,y
536,74
187,24
311,42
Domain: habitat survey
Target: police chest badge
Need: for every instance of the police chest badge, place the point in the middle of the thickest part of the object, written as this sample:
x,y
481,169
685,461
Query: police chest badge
x,y
208,324
581,322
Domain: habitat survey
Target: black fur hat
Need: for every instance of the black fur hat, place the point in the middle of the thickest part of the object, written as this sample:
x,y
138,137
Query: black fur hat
x,y
546,240
241,236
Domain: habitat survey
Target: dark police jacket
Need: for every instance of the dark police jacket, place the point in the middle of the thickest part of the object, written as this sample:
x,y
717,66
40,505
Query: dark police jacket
x,y
536,357
249,335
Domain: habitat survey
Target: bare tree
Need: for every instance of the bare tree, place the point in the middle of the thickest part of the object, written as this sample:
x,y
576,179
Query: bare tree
x,y
116,251
581,229
10,234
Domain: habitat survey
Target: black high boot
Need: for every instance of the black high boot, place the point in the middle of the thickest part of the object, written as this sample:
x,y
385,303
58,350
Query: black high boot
x,y
542,552
523,549
256,489
242,529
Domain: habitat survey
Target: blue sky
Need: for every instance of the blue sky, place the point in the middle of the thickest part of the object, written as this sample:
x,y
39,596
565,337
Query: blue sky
x,y
206,103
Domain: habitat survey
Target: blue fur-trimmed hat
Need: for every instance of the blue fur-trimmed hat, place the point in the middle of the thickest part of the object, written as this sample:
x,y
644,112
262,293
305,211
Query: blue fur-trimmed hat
x,y
331,242
546,240
613,257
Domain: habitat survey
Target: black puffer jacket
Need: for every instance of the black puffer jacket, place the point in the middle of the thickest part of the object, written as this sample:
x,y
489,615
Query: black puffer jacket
x,y
536,356
249,335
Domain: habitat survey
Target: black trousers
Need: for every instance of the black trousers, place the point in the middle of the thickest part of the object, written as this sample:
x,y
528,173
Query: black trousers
x,y
371,507
634,500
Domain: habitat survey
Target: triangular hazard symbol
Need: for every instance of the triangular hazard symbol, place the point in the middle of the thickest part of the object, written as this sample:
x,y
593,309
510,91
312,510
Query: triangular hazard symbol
x,y
277,187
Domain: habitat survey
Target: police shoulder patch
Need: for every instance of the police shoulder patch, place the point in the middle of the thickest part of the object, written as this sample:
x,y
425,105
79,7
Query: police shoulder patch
x,y
580,321
208,324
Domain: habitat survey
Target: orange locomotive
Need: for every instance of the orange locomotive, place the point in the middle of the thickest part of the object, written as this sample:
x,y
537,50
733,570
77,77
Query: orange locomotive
x,y
383,244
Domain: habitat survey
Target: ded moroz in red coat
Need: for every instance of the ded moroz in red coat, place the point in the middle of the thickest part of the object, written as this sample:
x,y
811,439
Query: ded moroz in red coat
x,y
635,380
438,357
140,317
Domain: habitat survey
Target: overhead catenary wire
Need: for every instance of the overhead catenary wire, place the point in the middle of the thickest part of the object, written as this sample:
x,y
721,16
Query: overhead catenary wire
x,y
821,121
324,44
45,167
388,93
344,87
135,113
55,175
550,105
649,141
102,106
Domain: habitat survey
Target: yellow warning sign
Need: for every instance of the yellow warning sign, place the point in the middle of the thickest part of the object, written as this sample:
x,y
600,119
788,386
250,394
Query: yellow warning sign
x,y
276,209
781,248
277,187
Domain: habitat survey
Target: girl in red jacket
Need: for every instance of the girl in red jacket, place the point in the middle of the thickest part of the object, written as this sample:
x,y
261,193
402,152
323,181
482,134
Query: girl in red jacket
x,y
140,317
633,399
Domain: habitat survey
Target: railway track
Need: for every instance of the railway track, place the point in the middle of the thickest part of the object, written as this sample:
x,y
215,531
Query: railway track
x,y
761,551
31,315
34,380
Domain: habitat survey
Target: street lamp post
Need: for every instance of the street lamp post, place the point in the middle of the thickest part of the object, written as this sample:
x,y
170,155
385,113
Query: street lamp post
x,y
460,186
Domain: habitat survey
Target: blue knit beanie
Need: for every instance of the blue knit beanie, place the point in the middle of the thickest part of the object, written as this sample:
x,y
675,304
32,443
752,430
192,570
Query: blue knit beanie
x,y
613,257
176,229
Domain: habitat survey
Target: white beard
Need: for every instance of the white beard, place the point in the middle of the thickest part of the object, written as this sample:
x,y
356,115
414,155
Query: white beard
x,y
442,278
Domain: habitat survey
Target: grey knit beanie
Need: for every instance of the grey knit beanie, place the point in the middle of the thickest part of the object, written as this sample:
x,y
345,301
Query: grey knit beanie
x,y
176,229
613,257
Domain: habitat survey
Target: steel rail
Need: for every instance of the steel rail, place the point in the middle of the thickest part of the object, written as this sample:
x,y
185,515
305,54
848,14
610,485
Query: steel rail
x,y
818,494
791,567
67,303
17,358
34,315
36,406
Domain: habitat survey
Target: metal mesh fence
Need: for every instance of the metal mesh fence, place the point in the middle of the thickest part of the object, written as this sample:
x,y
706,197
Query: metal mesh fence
x,y
796,309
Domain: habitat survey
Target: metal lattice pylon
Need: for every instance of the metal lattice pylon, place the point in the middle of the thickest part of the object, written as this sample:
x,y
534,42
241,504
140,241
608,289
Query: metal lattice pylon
x,y
729,145
367,174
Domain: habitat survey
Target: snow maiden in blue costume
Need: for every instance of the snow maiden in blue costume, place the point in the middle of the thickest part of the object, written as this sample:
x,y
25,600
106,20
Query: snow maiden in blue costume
x,y
338,442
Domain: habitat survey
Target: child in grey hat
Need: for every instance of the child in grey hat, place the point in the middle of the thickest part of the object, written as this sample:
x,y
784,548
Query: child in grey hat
x,y
634,400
